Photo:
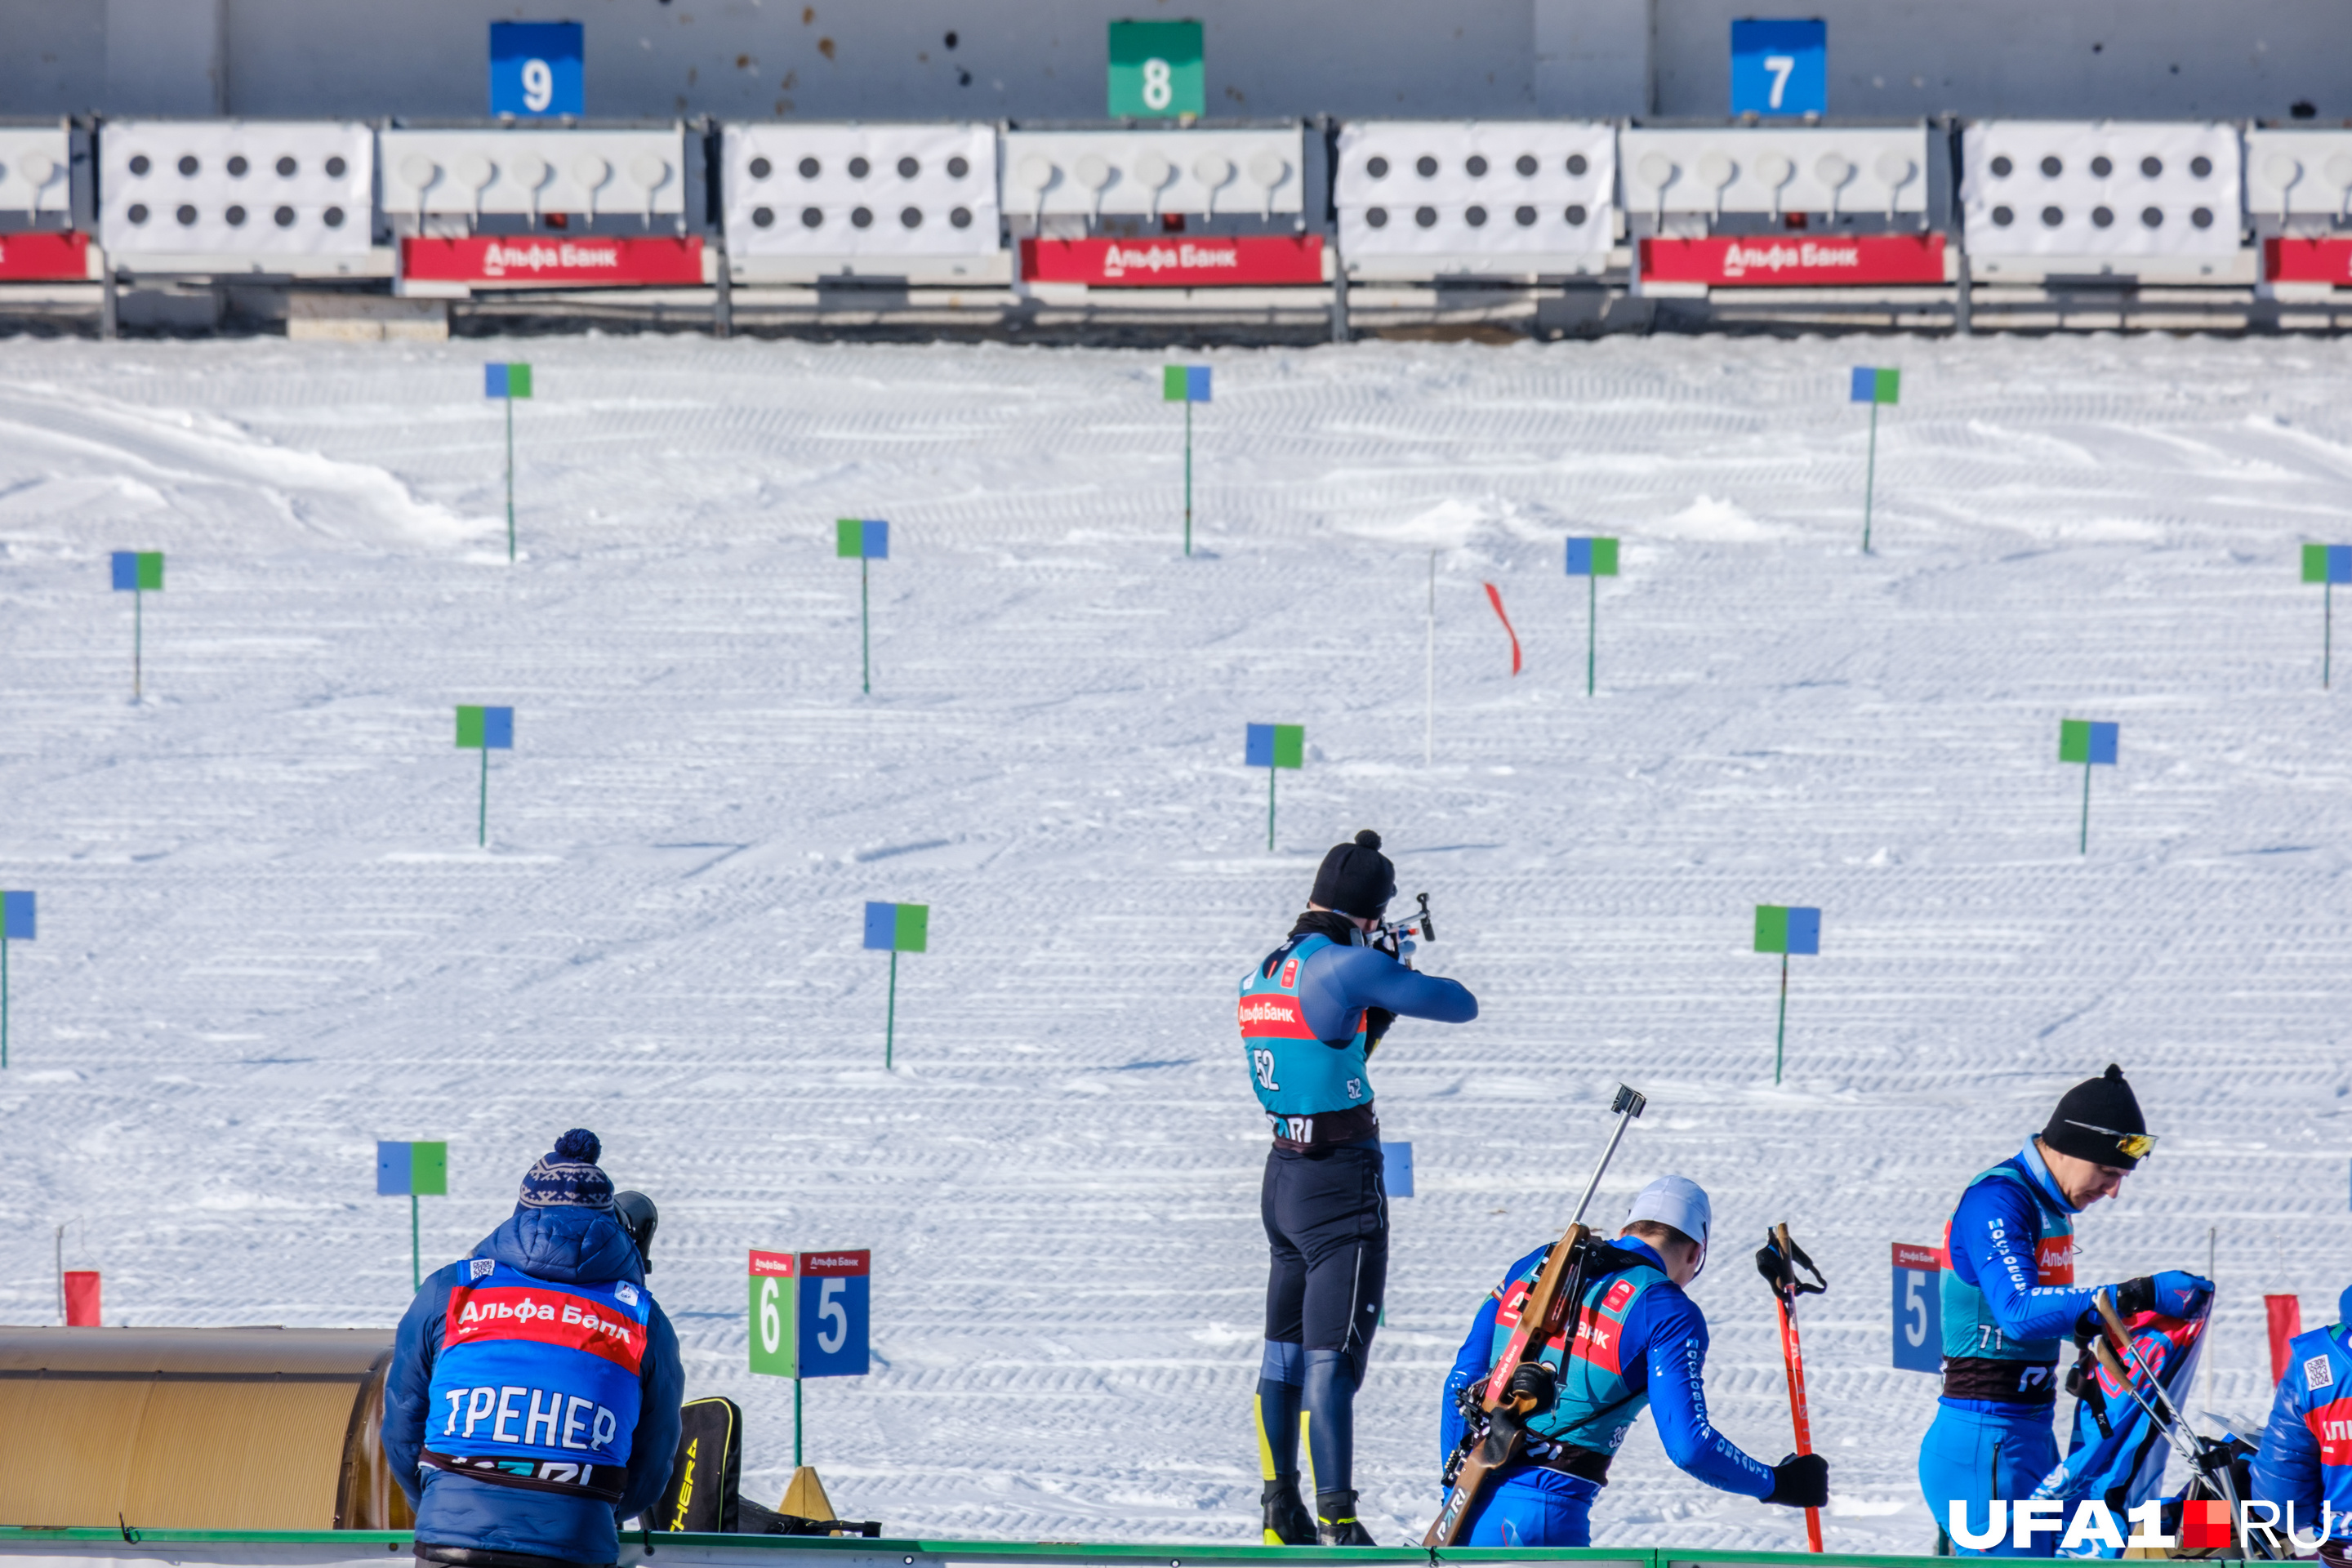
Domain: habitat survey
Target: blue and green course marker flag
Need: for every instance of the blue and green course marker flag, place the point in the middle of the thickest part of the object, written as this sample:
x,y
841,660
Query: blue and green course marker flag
x,y
506,382
413,1171
485,729
1785,930
1274,747
18,921
2329,564
895,929
138,573
1187,385
1591,558
2092,744
1874,387
863,539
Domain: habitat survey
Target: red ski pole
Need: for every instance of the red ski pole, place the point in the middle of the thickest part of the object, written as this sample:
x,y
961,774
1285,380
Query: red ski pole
x,y
1777,1261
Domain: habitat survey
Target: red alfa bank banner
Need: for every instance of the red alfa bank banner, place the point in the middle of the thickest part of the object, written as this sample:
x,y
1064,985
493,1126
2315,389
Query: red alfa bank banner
x,y
1173,263
537,261
2308,261
44,257
1768,262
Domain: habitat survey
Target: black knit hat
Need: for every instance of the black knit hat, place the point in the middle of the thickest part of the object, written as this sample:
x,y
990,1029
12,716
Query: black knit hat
x,y
1356,879
2099,1120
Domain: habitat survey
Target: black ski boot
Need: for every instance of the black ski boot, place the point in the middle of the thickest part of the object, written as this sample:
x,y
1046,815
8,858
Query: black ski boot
x,y
1287,1522
1336,1523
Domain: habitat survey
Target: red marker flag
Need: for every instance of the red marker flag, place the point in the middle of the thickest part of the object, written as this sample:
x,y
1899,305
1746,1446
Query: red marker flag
x,y
1495,597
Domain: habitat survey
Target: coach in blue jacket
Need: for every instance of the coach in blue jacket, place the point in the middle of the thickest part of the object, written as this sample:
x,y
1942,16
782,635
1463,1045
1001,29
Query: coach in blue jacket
x,y
533,1399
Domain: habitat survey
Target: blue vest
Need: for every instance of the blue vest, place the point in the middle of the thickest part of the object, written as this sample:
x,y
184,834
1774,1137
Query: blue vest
x,y
1970,1331
1293,1073
1597,1405
530,1369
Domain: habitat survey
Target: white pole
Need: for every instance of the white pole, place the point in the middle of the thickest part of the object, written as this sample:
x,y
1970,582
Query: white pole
x,y
1429,709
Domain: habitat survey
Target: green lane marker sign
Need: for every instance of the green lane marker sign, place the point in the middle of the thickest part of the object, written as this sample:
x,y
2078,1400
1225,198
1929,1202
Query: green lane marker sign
x,y
1273,747
2092,744
506,382
1155,72
2327,564
1784,929
1874,387
138,573
485,729
1591,558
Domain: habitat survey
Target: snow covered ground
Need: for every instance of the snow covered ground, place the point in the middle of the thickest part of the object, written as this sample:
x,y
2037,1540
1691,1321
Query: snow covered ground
x,y
268,939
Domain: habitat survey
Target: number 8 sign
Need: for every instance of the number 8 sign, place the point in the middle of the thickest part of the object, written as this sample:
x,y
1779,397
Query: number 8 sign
x,y
1918,1309
809,1313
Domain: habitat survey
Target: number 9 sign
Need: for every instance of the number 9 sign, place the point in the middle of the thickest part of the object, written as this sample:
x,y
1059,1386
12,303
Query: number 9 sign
x,y
1918,1309
535,70
809,1313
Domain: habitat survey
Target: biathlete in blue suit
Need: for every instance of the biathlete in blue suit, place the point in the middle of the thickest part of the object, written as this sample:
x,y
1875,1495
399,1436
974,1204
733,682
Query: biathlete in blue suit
x,y
532,1400
1311,1015
2305,1468
2011,1304
1639,1341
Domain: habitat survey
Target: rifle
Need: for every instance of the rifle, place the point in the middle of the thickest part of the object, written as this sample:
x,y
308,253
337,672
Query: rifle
x,y
1395,938
1778,1260
1498,1430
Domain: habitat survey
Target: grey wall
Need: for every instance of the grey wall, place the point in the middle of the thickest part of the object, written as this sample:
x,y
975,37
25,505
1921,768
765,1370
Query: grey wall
x,y
1044,59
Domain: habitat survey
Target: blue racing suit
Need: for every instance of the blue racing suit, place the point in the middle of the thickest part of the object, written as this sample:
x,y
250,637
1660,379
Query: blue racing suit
x,y
1310,1013
2009,1304
1655,1357
2306,1462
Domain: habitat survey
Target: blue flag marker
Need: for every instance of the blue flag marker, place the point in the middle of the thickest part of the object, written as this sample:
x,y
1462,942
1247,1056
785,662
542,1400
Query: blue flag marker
x,y
895,929
485,729
18,921
138,573
2094,744
1591,558
413,1170
2327,564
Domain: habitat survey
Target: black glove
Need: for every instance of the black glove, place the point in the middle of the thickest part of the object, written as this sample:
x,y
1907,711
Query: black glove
x,y
1377,1021
1534,1380
2175,1293
1800,1481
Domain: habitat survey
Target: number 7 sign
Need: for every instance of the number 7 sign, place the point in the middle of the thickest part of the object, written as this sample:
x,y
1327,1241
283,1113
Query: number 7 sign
x,y
1779,69
1918,1309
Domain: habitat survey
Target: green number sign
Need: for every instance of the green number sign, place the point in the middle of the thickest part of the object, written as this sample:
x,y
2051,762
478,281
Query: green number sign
x,y
1155,70
775,1297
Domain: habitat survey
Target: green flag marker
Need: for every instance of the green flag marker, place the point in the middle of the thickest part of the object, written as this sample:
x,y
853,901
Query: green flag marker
x,y
1784,929
864,539
418,1170
506,382
1187,385
2327,564
1874,387
485,729
1591,558
1273,747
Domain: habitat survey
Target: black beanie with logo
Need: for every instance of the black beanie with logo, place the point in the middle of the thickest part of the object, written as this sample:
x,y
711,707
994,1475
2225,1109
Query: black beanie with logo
x,y
1356,879
2092,1119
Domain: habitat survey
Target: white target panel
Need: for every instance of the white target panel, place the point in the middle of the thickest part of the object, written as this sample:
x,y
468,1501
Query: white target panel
x,y
1506,195
36,170
1775,168
242,188
847,191
1089,173
2069,189
532,171
2299,173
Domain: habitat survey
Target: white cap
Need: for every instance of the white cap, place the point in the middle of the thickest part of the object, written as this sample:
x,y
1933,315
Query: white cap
x,y
1676,1201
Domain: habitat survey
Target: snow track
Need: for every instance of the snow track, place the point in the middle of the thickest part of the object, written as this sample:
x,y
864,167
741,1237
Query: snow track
x,y
268,939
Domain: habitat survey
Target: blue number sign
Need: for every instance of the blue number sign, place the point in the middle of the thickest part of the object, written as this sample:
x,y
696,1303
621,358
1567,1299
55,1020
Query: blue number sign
x,y
535,70
1779,70
833,1313
1918,1309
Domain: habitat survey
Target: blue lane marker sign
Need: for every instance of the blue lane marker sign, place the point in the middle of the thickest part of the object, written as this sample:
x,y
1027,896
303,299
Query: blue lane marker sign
x,y
1918,1309
1779,69
535,71
1396,1163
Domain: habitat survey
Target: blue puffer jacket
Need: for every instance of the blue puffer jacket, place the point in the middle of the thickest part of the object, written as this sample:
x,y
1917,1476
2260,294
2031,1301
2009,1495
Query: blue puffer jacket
x,y
564,1245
